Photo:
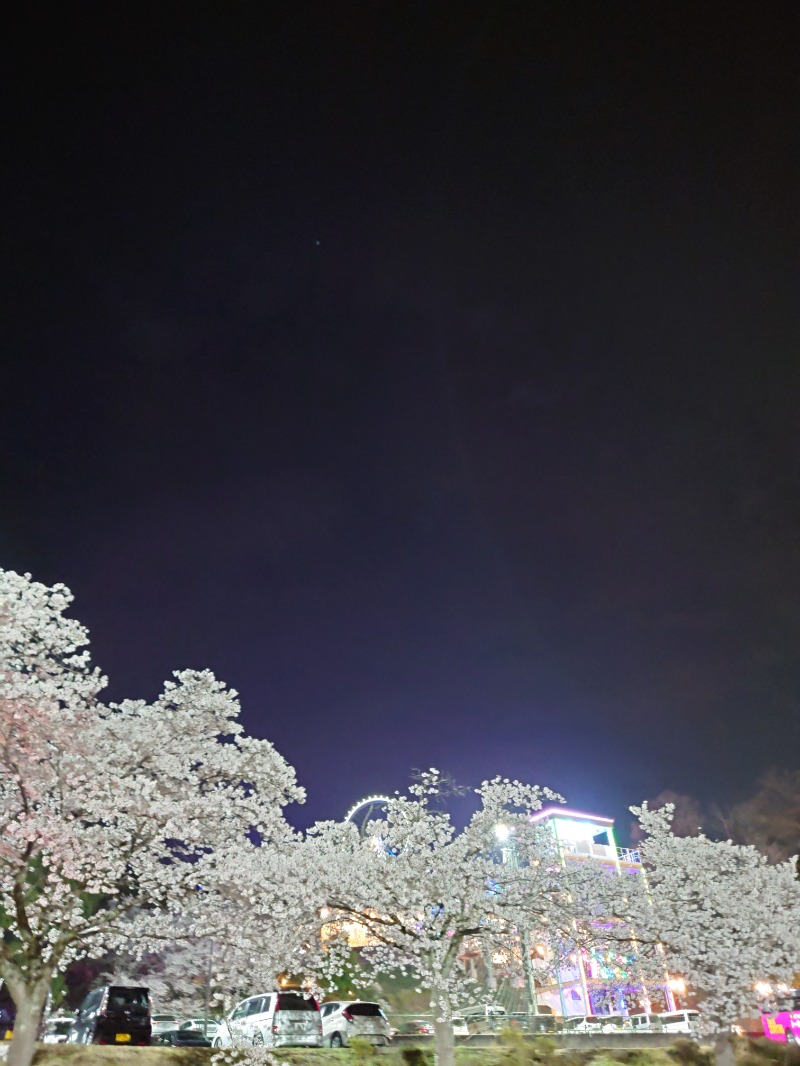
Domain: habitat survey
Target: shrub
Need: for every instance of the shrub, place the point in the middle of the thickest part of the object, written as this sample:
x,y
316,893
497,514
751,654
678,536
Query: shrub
x,y
768,1052
416,1056
690,1053
362,1050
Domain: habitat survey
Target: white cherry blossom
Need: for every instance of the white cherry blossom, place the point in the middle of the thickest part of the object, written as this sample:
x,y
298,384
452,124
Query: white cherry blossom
x,y
112,816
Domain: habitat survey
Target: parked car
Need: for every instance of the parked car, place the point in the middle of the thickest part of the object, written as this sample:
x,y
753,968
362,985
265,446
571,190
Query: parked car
x,y
163,1023
182,1038
414,1027
344,1019
113,1014
596,1023
273,1019
646,1023
534,1023
680,1021
56,1029
207,1028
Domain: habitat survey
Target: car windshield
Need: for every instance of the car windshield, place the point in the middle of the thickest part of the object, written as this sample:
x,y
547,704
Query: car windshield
x,y
296,1001
370,1010
127,997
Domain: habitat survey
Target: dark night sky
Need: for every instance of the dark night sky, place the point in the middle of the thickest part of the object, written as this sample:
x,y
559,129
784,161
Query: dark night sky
x,y
428,371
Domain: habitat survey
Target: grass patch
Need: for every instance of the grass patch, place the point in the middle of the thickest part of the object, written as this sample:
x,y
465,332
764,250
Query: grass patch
x,y
514,1053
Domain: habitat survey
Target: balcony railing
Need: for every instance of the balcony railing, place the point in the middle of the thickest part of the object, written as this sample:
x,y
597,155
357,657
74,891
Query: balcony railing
x,y
588,849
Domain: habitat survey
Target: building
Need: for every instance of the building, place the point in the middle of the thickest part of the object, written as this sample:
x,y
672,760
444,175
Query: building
x,y
593,982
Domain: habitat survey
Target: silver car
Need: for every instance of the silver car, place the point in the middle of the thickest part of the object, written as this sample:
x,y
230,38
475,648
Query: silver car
x,y
273,1019
163,1023
344,1019
200,1025
56,1029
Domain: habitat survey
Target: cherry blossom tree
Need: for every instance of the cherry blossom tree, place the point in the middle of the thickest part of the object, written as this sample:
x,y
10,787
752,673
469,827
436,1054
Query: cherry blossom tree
x,y
111,816
419,891
720,913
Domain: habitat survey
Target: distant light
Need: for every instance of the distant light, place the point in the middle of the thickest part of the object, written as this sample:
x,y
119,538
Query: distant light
x,y
762,988
502,832
677,984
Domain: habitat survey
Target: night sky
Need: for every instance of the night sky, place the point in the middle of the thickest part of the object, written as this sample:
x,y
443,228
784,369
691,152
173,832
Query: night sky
x,y
430,372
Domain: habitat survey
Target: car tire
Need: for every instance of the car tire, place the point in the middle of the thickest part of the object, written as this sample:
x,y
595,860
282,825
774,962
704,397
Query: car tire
x,y
258,1038
336,1040
216,1043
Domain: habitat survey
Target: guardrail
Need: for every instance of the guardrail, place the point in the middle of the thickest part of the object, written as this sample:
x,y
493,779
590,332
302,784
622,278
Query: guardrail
x,y
574,1041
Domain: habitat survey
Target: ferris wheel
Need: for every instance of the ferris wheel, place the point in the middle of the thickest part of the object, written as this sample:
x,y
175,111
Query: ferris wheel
x,y
366,811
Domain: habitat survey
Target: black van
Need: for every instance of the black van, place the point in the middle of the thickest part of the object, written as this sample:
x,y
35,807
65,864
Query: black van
x,y
113,1014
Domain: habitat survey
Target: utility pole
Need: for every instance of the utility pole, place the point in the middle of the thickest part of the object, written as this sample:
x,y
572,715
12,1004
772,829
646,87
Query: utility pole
x,y
208,987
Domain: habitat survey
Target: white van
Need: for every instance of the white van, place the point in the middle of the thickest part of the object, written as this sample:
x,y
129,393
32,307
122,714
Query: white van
x,y
274,1019
680,1021
646,1023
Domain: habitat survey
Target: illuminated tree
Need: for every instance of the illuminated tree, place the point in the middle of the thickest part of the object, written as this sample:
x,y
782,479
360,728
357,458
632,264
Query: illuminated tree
x,y
419,890
112,816
724,917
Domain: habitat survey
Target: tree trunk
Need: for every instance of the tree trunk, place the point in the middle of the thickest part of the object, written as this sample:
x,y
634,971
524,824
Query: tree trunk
x,y
443,1039
443,1027
30,1005
724,1052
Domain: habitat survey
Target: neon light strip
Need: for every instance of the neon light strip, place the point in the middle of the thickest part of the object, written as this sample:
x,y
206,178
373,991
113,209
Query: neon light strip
x,y
565,812
363,803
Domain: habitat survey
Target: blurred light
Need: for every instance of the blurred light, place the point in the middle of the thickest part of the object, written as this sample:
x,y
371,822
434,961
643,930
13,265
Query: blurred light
x,y
677,984
502,832
324,913
762,988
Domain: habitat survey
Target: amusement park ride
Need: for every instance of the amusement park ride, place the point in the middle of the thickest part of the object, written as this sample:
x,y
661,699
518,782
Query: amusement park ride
x,y
573,987
365,811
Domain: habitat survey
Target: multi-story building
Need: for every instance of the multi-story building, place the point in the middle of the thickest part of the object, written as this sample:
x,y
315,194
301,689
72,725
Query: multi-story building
x,y
590,982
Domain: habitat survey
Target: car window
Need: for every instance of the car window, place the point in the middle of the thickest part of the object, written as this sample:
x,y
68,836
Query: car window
x,y
130,997
92,999
256,1006
240,1011
296,1001
366,1010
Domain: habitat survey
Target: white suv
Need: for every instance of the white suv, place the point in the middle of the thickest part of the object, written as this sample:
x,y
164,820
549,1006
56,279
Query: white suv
x,y
345,1019
273,1019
